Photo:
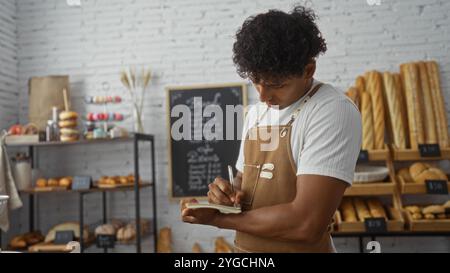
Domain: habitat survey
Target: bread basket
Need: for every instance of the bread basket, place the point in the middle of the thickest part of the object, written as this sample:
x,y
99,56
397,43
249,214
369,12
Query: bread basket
x,y
368,174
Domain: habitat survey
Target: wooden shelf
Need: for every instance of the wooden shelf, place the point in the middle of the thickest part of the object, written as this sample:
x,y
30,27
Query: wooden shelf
x,y
95,189
412,155
413,188
369,189
378,155
436,225
396,224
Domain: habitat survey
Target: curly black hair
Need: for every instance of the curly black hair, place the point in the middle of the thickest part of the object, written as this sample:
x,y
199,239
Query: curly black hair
x,y
277,45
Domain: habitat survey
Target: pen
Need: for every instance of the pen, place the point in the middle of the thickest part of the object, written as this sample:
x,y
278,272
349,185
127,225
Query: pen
x,y
231,177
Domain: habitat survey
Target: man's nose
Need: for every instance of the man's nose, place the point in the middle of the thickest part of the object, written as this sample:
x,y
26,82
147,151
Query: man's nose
x,y
264,94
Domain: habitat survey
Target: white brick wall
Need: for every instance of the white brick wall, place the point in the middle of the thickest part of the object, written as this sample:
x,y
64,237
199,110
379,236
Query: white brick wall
x,y
190,41
9,92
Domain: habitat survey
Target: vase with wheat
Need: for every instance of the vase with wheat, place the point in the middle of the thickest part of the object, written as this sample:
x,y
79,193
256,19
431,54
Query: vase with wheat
x,y
136,84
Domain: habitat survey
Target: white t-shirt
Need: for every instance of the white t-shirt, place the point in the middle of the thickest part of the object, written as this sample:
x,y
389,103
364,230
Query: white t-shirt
x,y
326,135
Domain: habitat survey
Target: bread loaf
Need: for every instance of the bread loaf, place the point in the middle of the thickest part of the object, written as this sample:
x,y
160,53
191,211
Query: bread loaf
x,y
353,94
375,89
73,226
433,209
376,209
404,173
410,76
420,172
394,109
401,97
361,209
429,120
360,83
348,211
438,103
165,240
367,122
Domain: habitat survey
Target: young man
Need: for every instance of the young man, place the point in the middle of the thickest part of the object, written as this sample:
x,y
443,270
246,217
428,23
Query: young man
x,y
288,193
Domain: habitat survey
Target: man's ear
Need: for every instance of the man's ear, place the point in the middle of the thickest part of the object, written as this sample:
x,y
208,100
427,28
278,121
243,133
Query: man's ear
x,y
310,69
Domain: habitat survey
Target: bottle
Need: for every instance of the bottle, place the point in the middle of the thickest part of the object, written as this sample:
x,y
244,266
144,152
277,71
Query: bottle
x,y
55,123
49,131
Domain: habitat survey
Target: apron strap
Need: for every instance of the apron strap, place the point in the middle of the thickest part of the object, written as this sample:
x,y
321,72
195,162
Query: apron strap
x,y
314,91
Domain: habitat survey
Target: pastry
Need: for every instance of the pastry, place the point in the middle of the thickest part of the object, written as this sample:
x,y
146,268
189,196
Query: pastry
x,y
429,216
429,120
196,248
376,209
126,233
375,89
361,209
164,240
68,115
32,238
53,182
18,242
106,229
41,183
434,209
67,124
420,172
413,209
440,113
394,106
65,182
404,173
417,216
367,122
348,211
221,246
410,76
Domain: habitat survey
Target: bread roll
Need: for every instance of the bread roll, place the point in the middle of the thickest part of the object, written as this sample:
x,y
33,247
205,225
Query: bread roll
x,y
367,122
401,96
410,76
429,216
165,240
413,209
394,109
375,89
376,209
74,226
196,248
221,246
361,209
417,216
53,182
106,229
41,183
420,172
18,242
348,211
430,123
404,173
434,209
447,205
438,103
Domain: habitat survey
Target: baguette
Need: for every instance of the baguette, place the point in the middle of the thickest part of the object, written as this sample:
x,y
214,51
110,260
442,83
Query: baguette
x,y
348,211
375,89
367,122
438,104
412,93
430,123
361,209
403,108
394,107
164,244
360,83
376,209
353,94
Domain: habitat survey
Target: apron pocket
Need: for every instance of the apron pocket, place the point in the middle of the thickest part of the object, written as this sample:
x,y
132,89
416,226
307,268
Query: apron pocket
x,y
250,179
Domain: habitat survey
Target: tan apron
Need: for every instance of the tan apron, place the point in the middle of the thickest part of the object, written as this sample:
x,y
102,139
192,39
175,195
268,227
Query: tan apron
x,y
269,179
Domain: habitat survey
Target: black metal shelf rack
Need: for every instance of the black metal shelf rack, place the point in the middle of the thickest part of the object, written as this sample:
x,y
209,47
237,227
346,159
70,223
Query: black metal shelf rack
x,y
136,139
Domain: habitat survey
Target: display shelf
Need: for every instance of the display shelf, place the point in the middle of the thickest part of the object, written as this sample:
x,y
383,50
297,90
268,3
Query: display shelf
x,y
413,188
370,189
424,225
414,155
78,142
378,155
94,189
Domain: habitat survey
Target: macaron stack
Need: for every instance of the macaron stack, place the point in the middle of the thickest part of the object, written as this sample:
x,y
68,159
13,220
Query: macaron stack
x,y
68,126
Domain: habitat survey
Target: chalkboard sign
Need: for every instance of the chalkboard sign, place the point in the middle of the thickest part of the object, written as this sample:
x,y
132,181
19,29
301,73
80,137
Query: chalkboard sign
x,y
81,183
375,225
363,156
429,150
105,241
204,129
436,186
63,237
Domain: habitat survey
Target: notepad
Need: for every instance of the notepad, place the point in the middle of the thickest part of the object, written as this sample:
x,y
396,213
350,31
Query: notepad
x,y
221,208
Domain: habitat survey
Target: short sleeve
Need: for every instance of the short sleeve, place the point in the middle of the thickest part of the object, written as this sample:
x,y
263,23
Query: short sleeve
x,y
331,141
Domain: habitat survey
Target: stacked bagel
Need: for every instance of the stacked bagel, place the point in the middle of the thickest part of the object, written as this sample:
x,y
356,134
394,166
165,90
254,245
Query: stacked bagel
x,y
68,126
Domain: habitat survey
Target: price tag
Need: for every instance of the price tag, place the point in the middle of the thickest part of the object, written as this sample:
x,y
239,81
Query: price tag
x,y
81,183
63,237
363,156
436,186
106,241
375,225
429,150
